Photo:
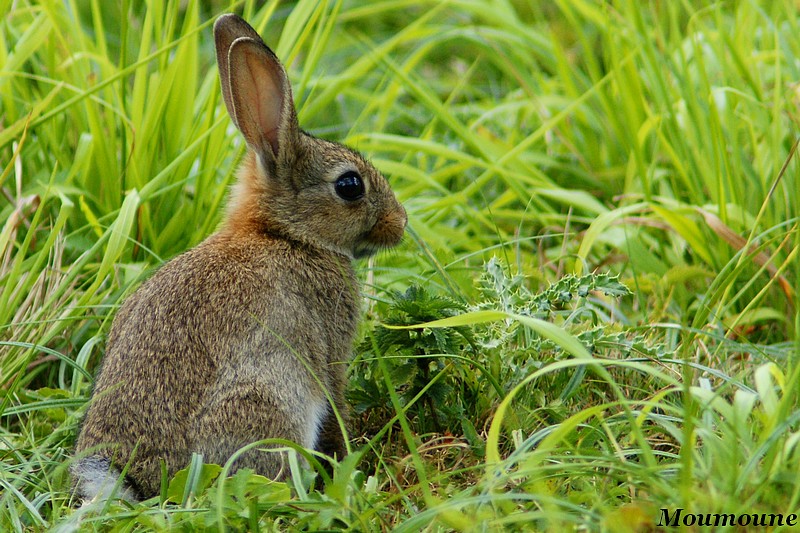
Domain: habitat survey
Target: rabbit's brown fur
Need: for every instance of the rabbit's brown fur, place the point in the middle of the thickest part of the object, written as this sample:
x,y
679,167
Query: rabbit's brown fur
x,y
240,338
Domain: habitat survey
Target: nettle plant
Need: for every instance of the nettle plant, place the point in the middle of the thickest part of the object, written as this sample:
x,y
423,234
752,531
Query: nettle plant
x,y
430,368
450,379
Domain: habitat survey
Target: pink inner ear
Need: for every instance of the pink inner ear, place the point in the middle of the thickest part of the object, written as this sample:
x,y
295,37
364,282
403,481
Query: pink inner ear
x,y
257,89
267,100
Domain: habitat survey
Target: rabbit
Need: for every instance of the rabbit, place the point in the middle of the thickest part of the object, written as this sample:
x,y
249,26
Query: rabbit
x,y
240,338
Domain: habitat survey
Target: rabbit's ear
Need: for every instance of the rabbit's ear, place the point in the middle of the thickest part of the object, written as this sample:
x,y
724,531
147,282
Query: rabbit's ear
x,y
257,93
261,98
227,29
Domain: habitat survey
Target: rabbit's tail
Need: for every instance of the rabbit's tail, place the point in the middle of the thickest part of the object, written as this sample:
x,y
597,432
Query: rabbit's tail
x,y
95,479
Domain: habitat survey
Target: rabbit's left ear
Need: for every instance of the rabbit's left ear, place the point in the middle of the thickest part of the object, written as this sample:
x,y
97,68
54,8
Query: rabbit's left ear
x,y
227,29
256,89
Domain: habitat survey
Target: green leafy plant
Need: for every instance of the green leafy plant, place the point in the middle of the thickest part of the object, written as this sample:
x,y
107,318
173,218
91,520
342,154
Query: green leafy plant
x,y
450,378
423,363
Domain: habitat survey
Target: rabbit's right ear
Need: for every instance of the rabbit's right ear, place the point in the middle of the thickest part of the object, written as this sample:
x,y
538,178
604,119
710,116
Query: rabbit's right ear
x,y
255,88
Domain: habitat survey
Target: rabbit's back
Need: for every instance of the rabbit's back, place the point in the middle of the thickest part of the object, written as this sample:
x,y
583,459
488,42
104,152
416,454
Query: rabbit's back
x,y
251,313
221,297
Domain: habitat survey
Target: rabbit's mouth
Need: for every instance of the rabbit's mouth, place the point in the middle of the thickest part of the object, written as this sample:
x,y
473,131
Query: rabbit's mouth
x,y
387,232
367,249
361,251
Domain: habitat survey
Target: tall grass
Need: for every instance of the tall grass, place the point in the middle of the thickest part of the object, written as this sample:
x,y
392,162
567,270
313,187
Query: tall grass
x,y
503,380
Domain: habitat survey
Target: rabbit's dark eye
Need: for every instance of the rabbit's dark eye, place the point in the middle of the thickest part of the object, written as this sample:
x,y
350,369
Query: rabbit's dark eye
x,y
349,186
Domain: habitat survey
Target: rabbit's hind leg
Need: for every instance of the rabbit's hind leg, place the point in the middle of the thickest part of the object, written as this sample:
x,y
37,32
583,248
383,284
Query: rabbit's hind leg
x,y
244,414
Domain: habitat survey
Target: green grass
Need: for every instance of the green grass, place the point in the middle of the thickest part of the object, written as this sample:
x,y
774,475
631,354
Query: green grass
x,y
540,149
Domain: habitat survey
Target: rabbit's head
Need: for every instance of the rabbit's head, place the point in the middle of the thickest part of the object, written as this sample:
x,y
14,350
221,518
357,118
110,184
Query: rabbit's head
x,y
293,185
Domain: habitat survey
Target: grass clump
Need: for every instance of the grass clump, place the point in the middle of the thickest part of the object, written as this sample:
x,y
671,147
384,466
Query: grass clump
x,y
593,316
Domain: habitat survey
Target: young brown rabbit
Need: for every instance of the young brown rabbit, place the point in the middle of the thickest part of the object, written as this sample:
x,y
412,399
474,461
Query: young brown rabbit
x,y
238,339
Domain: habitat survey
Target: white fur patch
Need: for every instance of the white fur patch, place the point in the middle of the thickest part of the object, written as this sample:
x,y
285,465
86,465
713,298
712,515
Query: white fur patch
x,y
96,480
315,414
